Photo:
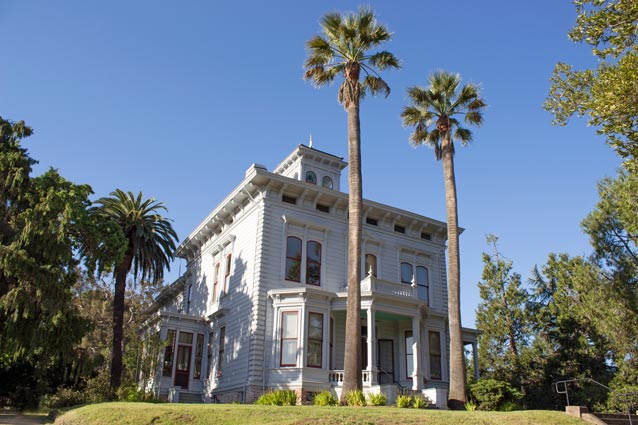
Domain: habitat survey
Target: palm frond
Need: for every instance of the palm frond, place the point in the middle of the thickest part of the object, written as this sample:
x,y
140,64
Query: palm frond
x,y
463,135
474,117
375,85
383,60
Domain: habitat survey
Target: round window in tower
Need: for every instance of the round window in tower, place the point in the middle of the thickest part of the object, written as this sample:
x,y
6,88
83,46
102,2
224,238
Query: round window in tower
x,y
327,182
311,177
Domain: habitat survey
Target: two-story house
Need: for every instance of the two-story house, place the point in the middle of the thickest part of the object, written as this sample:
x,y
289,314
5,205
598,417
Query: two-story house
x,y
262,304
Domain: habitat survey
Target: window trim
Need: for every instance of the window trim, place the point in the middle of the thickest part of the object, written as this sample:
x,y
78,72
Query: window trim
x,y
401,272
282,339
427,282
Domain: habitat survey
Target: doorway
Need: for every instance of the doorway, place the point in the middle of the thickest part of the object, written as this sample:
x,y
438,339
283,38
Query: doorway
x,y
386,361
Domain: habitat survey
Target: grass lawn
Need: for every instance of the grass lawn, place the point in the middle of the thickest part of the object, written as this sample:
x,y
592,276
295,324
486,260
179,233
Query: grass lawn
x,y
145,413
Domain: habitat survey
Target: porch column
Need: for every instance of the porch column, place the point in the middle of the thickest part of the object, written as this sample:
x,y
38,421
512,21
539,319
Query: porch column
x,y
372,345
417,382
475,358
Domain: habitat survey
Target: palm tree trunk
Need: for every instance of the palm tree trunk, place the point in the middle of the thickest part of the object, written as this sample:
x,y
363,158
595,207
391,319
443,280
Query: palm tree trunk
x,y
456,397
352,357
121,272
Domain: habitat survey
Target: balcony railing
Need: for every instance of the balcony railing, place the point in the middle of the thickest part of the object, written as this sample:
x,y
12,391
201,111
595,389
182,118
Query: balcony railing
x,y
372,284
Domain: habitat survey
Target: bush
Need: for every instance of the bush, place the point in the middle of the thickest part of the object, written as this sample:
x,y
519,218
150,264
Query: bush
x,y
470,406
377,400
508,406
98,389
326,398
620,396
64,397
491,394
130,393
421,402
278,398
404,401
356,398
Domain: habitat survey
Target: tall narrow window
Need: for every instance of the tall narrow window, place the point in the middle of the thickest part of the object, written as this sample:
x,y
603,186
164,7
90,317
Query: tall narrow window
x,y
409,354
209,357
293,259
422,283
315,339
199,354
229,258
220,352
406,273
435,355
169,350
313,263
371,265
288,355
216,281
189,296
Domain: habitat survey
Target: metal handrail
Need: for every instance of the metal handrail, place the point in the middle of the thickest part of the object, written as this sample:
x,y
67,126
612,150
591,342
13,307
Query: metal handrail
x,y
566,392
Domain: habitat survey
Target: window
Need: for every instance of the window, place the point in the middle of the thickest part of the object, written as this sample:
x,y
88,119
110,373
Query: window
x,y
288,355
169,350
370,265
435,355
289,199
199,353
188,299
399,229
406,273
186,338
311,177
409,354
323,208
372,221
426,236
216,281
293,259
315,339
422,282
327,182
313,263
209,357
227,276
220,352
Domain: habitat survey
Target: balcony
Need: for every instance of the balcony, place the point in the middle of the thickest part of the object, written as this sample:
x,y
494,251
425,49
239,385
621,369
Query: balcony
x,y
372,284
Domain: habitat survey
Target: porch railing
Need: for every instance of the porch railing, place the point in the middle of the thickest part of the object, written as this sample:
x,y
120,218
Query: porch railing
x,y
335,377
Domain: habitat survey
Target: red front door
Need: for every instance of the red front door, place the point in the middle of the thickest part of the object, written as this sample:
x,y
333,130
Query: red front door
x,y
183,365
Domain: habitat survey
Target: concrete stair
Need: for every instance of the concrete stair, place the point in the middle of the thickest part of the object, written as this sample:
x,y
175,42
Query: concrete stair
x,y
616,418
186,397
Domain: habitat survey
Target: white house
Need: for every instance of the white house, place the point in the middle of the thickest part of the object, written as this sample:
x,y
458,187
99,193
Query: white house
x,y
262,304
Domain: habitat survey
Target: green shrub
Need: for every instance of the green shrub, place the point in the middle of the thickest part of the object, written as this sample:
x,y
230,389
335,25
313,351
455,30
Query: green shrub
x,y
326,398
278,398
470,406
420,402
377,400
404,401
130,393
356,398
64,397
620,396
508,406
491,394
98,389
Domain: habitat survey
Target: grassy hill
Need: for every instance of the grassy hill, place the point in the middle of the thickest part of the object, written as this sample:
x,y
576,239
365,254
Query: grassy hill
x,y
145,413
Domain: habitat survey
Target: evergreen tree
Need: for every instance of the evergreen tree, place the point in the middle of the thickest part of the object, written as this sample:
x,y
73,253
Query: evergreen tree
x,y
501,317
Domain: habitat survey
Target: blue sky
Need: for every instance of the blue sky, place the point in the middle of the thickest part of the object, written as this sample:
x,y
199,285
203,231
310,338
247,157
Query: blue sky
x,y
177,99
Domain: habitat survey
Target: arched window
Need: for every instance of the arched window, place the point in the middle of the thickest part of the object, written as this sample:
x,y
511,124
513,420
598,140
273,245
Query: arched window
x,y
311,177
422,282
327,182
313,263
371,265
293,259
406,273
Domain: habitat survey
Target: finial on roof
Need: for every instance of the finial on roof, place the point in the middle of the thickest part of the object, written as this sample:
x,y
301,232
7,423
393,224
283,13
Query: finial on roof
x,y
310,142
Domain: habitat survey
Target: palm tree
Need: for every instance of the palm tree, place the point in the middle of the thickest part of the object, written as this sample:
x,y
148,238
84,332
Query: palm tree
x,y
150,244
433,113
344,49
